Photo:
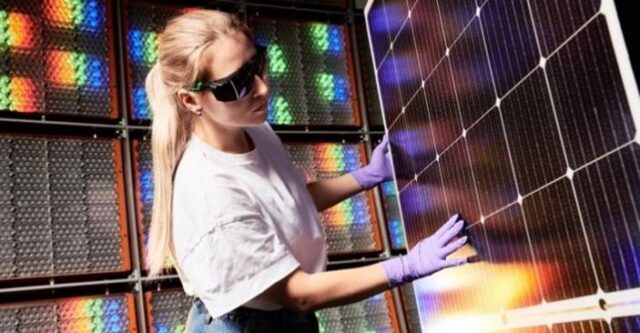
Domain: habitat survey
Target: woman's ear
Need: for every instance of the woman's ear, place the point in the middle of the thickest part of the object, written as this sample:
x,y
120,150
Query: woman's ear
x,y
191,101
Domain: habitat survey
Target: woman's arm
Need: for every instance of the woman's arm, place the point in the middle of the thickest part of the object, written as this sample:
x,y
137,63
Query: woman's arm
x,y
309,292
328,192
301,291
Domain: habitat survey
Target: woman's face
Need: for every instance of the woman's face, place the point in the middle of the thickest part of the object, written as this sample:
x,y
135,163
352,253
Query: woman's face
x,y
225,56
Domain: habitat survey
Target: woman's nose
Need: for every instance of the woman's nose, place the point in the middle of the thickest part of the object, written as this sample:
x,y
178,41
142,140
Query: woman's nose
x,y
261,85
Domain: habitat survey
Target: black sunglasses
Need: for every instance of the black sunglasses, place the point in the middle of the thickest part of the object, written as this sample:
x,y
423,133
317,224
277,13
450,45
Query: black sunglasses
x,y
238,84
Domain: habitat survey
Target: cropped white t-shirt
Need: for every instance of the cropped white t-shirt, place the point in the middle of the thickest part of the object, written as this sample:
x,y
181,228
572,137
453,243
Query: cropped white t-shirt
x,y
242,222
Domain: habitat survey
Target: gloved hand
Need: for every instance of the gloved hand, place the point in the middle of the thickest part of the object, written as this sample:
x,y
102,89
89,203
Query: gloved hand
x,y
378,170
428,256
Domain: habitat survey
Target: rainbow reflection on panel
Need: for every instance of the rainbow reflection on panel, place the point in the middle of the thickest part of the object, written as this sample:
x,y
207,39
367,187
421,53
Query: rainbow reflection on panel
x,y
93,315
75,69
90,314
169,310
85,15
349,225
15,31
279,110
144,23
340,159
326,38
308,69
332,87
38,67
143,164
143,53
392,212
371,315
448,301
17,94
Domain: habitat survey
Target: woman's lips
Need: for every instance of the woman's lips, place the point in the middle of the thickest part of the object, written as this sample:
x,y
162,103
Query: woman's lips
x,y
260,108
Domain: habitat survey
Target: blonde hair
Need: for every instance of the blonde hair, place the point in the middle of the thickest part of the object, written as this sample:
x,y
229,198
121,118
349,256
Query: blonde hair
x,y
179,64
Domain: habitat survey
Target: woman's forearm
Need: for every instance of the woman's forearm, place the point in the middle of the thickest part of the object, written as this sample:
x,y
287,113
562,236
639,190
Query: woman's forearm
x,y
328,192
335,288
309,292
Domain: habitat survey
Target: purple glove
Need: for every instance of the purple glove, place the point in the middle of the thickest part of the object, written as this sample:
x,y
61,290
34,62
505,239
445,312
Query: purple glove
x,y
378,170
428,256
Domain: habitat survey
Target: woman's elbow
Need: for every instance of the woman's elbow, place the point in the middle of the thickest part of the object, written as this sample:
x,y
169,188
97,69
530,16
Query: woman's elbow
x,y
294,292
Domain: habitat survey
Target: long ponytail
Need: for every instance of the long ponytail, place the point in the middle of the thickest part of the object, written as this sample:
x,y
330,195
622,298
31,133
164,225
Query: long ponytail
x,y
181,46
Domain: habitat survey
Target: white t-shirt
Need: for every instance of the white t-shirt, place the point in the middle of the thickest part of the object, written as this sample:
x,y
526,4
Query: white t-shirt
x,y
242,222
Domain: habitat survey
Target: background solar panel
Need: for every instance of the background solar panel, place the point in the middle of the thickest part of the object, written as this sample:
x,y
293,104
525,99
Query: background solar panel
x,y
62,207
167,310
340,4
522,116
392,213
390,202
310,72
78,314
375,314
56,57
372,100
144,22
143,182
351,225
410,307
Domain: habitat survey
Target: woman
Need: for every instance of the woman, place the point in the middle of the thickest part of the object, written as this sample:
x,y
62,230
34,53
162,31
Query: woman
x,y
241,225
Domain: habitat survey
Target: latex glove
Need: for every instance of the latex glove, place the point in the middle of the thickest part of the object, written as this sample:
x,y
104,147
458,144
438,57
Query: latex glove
x,y
379,169
428,256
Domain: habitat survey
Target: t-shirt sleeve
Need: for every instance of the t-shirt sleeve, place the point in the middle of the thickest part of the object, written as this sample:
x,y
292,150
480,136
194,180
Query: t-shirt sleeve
x,y
237,258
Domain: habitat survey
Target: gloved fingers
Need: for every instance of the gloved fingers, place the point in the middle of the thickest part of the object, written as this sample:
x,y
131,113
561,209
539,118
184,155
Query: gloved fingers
x,y
454,262
451,233
453,246
383,147
452,220
385,140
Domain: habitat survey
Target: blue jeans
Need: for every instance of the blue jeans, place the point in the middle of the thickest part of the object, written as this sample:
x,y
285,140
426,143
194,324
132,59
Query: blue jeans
x,y
246,320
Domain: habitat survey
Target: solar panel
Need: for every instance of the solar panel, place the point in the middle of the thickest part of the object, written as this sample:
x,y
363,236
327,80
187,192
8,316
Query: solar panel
x,y
522,116
57,58
167,310
351,225
98,314
62,207
310,72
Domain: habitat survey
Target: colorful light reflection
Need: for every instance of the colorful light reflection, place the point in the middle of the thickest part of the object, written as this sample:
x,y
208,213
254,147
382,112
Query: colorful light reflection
x,y
75,69
336,159
277,61
449,300
143,53
394,222
88,15
332,87
18,94
326,38
279,110
16,30
93,315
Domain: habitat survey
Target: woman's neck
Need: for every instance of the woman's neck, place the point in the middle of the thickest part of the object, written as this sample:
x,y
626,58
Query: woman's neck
x,y
234,140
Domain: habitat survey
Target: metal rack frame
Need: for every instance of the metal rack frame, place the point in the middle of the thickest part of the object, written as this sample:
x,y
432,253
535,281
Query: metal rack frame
x,y
135,279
